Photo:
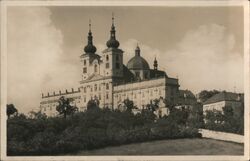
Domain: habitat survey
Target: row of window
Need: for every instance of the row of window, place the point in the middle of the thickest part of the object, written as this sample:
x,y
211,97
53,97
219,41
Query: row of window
x,y
134,94
95,88
95,97
107,64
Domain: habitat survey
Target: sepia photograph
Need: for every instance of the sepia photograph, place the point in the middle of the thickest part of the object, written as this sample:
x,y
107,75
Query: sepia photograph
x,y
106,80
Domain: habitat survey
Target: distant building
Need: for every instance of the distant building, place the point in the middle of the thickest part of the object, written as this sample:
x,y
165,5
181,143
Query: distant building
x,y
186,99
106,78
223,99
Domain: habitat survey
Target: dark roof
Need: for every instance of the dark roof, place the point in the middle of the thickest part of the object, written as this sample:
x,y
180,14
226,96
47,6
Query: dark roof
x,y
225,96
128,75
186,93
137,63
157,73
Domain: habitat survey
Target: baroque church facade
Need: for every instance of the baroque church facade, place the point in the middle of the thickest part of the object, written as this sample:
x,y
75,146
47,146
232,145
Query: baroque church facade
x,y
105,78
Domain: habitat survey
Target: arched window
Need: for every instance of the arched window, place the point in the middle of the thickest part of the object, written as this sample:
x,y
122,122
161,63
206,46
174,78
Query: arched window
x,y
95,67
107,57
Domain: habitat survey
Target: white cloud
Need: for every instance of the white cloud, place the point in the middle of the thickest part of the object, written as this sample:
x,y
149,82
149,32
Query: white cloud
x,y
34,57
203,59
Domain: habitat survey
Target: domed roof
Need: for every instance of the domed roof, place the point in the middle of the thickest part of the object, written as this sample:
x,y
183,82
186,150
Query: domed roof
x,y
90,48
112,42
138,62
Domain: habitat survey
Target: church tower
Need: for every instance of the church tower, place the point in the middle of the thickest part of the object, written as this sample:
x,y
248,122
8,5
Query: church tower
x,y
113,56
89,59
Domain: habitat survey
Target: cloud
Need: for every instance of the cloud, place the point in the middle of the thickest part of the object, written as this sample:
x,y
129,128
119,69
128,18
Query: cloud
x,y
203,59
34,57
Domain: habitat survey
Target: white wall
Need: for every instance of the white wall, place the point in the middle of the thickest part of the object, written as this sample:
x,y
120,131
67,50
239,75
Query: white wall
x,y
222,136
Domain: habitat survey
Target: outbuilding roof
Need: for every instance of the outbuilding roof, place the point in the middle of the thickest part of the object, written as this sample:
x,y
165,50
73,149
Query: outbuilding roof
x,y
225,96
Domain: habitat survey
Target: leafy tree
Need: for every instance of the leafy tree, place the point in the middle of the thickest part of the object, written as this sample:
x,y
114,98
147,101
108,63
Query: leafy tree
x,y
129,104
196,118
10,110
205,95
64,108
153,105
93,104
37,115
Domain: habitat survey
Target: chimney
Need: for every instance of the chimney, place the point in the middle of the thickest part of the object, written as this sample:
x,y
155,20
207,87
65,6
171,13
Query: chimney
x,y
60,92
42,95
48,94
72,89
54,93
66,91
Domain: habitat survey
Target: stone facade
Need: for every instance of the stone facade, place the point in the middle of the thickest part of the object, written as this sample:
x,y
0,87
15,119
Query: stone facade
x,y
106,78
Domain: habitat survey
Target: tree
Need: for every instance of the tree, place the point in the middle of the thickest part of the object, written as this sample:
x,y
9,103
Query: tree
x,y
129,104
65,108
37,115
93,104
195,118
153,105
10,110
205,95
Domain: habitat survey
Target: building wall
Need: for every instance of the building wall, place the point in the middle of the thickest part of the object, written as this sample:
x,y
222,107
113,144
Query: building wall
x,y
141,93
219,105
99,89
50,101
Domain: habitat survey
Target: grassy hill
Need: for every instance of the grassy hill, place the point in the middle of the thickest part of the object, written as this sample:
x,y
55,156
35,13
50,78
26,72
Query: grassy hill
x,y
173,147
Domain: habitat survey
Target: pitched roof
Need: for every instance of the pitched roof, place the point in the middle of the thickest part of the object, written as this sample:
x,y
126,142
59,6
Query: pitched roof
x,y
128,75
225,96
186,93
157,73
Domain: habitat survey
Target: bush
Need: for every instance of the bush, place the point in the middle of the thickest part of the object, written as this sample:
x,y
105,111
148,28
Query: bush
x,y
92,129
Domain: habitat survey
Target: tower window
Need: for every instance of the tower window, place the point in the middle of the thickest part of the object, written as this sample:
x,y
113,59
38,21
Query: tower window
x,y
100,97
84,89
107,86
84,70
107,57
107,96
107,65
95,68
84,62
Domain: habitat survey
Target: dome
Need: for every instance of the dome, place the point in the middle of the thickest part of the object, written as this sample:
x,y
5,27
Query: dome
x,y
90,48
112,43
138,62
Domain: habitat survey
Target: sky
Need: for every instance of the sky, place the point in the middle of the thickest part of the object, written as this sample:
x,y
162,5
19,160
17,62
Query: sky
x,y
201,46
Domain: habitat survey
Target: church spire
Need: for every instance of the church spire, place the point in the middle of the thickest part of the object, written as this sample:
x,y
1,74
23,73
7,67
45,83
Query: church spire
x,y
137,50
112,42
90,48
155,64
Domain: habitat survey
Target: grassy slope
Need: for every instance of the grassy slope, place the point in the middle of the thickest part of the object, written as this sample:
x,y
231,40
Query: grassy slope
x,y
172,147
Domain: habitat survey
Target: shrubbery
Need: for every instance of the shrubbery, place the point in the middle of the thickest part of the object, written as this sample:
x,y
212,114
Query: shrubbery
x,y
230,120
92,129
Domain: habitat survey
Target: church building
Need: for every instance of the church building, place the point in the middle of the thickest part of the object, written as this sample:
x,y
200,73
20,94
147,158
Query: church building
x,y
105,78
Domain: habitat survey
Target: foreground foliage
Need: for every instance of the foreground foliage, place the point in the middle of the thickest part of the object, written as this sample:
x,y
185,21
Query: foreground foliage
x,y
92,129
230,120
